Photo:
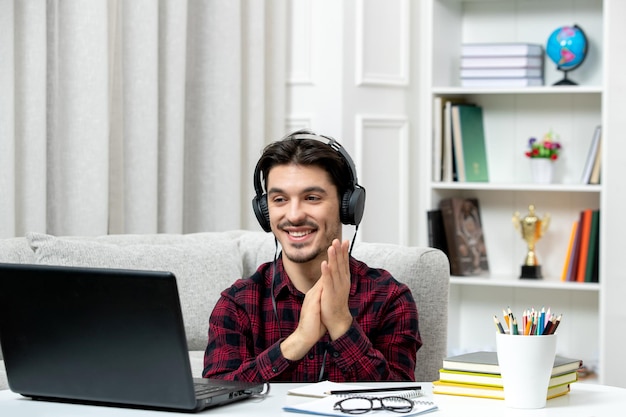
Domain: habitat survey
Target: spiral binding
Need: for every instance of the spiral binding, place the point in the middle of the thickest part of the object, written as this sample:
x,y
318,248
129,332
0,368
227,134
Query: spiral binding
x,y
405,395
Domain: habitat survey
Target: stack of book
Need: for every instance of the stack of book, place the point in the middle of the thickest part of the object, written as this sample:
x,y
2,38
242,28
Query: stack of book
x,y
582,258
477,374
501,65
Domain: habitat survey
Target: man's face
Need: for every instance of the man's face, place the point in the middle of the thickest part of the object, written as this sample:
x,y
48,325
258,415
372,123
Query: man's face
x,y
304,211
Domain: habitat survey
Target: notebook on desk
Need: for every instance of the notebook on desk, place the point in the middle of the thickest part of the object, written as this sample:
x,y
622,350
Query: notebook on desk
x,y
105,336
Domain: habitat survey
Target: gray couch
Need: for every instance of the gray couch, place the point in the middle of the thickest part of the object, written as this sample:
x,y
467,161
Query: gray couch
x,y
207,263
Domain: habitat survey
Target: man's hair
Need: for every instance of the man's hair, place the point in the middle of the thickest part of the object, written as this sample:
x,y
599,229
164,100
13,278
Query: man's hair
x,y
307,152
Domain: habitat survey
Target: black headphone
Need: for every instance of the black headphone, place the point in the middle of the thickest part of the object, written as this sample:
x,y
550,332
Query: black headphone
x,y
352,201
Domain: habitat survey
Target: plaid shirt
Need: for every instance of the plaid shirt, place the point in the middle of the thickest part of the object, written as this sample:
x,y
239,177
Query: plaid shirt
x,y
245,336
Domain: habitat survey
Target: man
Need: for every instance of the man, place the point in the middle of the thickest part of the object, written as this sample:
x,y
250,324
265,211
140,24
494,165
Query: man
x,y
316,312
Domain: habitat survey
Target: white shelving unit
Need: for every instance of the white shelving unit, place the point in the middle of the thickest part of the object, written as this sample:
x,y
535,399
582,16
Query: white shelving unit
x,y
511,117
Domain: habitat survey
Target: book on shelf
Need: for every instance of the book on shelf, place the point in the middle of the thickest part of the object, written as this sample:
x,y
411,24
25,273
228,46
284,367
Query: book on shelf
x,y
448,156
570,249
501,72
585,225
495,380
436,232
501,49
502,82
502,62
457,145
470,151
595,172
442,137
591,271
483,391
487,362
591,155
437,164
443,169
582,257
462,223
575,255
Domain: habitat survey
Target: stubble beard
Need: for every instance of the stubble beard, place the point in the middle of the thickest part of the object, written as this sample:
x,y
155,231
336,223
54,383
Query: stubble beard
x,y
297,252
301,257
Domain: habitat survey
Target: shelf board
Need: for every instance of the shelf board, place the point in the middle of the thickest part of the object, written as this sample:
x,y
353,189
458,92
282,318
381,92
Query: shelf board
x,y
525,283
490,186
579,89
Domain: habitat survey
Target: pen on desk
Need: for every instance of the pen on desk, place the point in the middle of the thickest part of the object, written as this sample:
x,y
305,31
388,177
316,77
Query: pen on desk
x,y
370,390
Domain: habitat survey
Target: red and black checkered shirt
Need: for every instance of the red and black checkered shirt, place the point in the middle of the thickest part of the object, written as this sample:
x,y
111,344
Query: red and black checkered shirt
x,y
245,334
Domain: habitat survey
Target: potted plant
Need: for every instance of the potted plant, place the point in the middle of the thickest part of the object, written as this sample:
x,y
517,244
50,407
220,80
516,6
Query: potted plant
x,y
542,155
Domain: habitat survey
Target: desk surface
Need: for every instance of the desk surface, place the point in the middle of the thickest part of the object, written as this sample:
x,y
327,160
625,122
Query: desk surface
x,y
583,400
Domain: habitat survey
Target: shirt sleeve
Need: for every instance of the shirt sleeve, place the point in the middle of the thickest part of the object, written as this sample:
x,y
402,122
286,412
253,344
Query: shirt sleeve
x,y
389,356
229,354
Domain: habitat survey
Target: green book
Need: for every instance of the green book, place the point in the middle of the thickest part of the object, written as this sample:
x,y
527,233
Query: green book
x,y
470,149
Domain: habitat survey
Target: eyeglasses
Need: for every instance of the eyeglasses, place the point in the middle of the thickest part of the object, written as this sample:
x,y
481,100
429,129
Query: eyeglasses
x,y
362,405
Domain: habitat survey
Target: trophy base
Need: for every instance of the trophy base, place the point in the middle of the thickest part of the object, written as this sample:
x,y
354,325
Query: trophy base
x,y
531,272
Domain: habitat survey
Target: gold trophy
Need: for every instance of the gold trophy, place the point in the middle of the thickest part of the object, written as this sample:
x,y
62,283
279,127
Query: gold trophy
x,y
532,229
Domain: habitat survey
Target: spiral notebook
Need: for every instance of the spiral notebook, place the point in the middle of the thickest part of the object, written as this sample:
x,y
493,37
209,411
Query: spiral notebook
x,y
324,404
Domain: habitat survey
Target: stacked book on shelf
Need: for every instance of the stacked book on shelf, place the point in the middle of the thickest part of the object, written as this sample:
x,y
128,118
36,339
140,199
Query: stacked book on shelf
x,y
459,146
582,258
477,374
501,65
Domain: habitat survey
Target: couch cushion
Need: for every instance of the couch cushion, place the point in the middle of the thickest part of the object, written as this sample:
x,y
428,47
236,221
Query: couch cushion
x,y
256,248
203,263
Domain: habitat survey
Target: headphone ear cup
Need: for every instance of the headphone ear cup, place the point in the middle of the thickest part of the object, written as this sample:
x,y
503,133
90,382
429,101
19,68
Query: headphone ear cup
x,y
352,206
261,211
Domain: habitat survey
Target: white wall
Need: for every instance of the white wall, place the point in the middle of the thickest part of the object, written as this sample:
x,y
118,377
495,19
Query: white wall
x,y
350,77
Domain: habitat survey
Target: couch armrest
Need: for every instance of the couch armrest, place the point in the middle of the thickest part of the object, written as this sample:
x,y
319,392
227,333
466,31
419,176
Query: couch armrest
x,y
16,250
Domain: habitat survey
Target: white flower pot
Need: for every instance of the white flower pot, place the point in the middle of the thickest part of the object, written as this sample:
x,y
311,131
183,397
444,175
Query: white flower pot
x,y
542,170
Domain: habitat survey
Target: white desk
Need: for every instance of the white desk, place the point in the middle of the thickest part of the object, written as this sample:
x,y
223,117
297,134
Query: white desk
x,y
583,400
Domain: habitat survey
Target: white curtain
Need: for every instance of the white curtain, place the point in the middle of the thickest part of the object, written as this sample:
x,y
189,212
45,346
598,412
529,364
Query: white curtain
x,y
136,116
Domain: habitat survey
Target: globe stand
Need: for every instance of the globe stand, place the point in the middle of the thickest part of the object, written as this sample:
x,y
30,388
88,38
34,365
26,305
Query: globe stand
x,y
565,80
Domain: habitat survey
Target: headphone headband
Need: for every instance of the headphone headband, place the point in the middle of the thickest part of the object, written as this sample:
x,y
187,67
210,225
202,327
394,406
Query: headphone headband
x,y
330,141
